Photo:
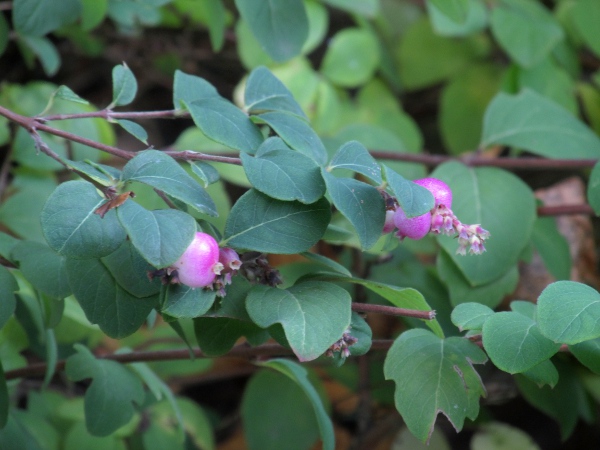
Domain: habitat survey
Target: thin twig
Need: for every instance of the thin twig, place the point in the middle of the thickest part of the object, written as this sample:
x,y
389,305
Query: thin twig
x,y
241,351
109,114
565,210
393,311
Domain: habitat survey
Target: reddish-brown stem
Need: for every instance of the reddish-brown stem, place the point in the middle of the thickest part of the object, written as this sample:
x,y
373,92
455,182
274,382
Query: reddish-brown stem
x,y
564,210
109,114
240,351
527,163
393,311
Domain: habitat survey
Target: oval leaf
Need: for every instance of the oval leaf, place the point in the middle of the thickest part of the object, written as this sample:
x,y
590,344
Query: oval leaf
x,y
71,227
414,200
186,302
531,122
354,156
264,92
110,397
224,123
296,133
160,236
569,312
8,302
299,375
280,26
314,314
514,342
124,85
104,302
470,316
361,204
43,268
285,175
263,224
160,171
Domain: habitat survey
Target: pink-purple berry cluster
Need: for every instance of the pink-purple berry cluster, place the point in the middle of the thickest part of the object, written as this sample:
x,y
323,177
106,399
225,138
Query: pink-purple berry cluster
x,y
204,264
440,220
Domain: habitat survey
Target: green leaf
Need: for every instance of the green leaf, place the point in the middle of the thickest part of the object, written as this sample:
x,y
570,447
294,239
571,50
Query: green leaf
x,y
268,397
354,156
263,224
400,297
265,92
136,130
544,373
43,268
160,236
160,171
104,302
361,204
463,104
104,175
184,302
7,243
514,342
296,133
561,402
313,314
299,375
285,175
471,316
500,436
351,58
188,88
585,15
569,312
4,399
110,397
40,17
225,123
531,122
207,173
455,10
425,58
507,213
552,247
415,200
588,354
218,332
66,93
8,303
551,81
45,50
329,263
281,26
93,13
593,189
124,86
438,376
461,291
71,227
526,30
130,271
475,20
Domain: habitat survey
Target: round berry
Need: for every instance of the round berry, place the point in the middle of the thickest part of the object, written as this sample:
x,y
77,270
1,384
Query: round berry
x,y
199,264
413,228
440,190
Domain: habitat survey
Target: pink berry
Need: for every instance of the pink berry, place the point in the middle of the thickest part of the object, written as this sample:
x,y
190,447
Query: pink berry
x,y
413,228
199,264
388,225
440,190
